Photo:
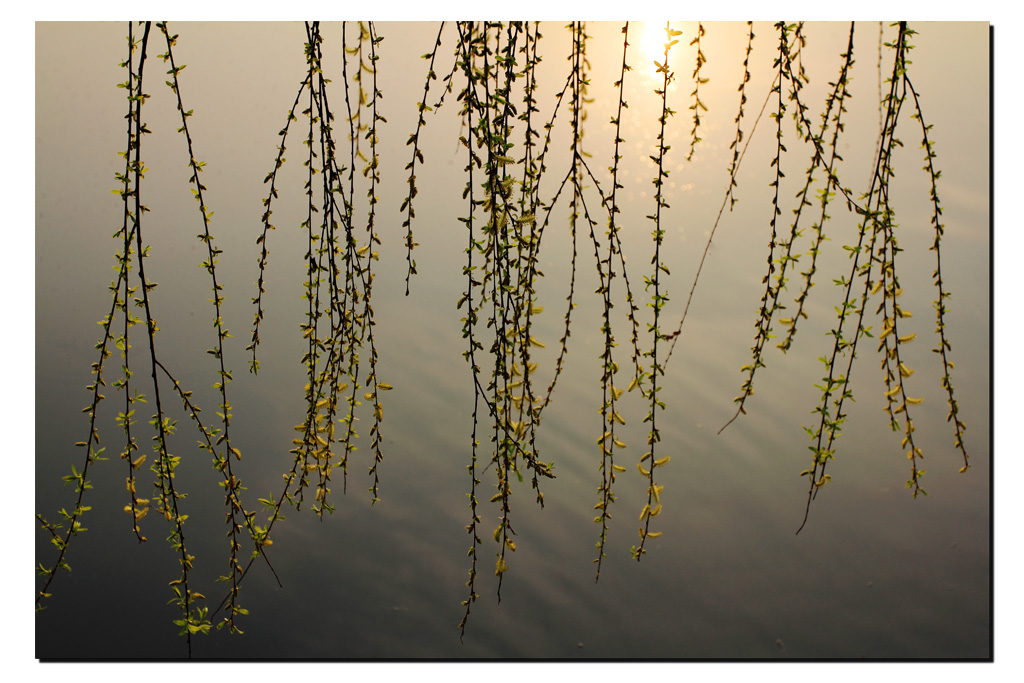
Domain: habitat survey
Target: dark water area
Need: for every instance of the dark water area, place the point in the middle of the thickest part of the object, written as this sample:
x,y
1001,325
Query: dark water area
x,y
876,574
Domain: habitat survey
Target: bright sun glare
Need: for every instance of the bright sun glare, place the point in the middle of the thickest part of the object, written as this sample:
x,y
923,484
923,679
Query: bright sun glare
x,y
653,42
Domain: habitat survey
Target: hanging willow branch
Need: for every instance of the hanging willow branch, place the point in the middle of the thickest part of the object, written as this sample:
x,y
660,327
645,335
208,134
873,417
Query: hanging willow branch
x,y
652,507
417,155
880,249
472,317
944,346
610,417
697,107
773,285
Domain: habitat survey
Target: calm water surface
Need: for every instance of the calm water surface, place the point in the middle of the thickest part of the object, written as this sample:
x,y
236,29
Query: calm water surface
x,y
874,574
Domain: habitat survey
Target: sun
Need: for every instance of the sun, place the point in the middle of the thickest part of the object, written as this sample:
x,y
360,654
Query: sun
x,y
653,40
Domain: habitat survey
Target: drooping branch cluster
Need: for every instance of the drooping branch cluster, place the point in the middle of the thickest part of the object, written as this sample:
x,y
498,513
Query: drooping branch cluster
x,y
501,268
507,217
339,277
194,618
511,202
873,258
